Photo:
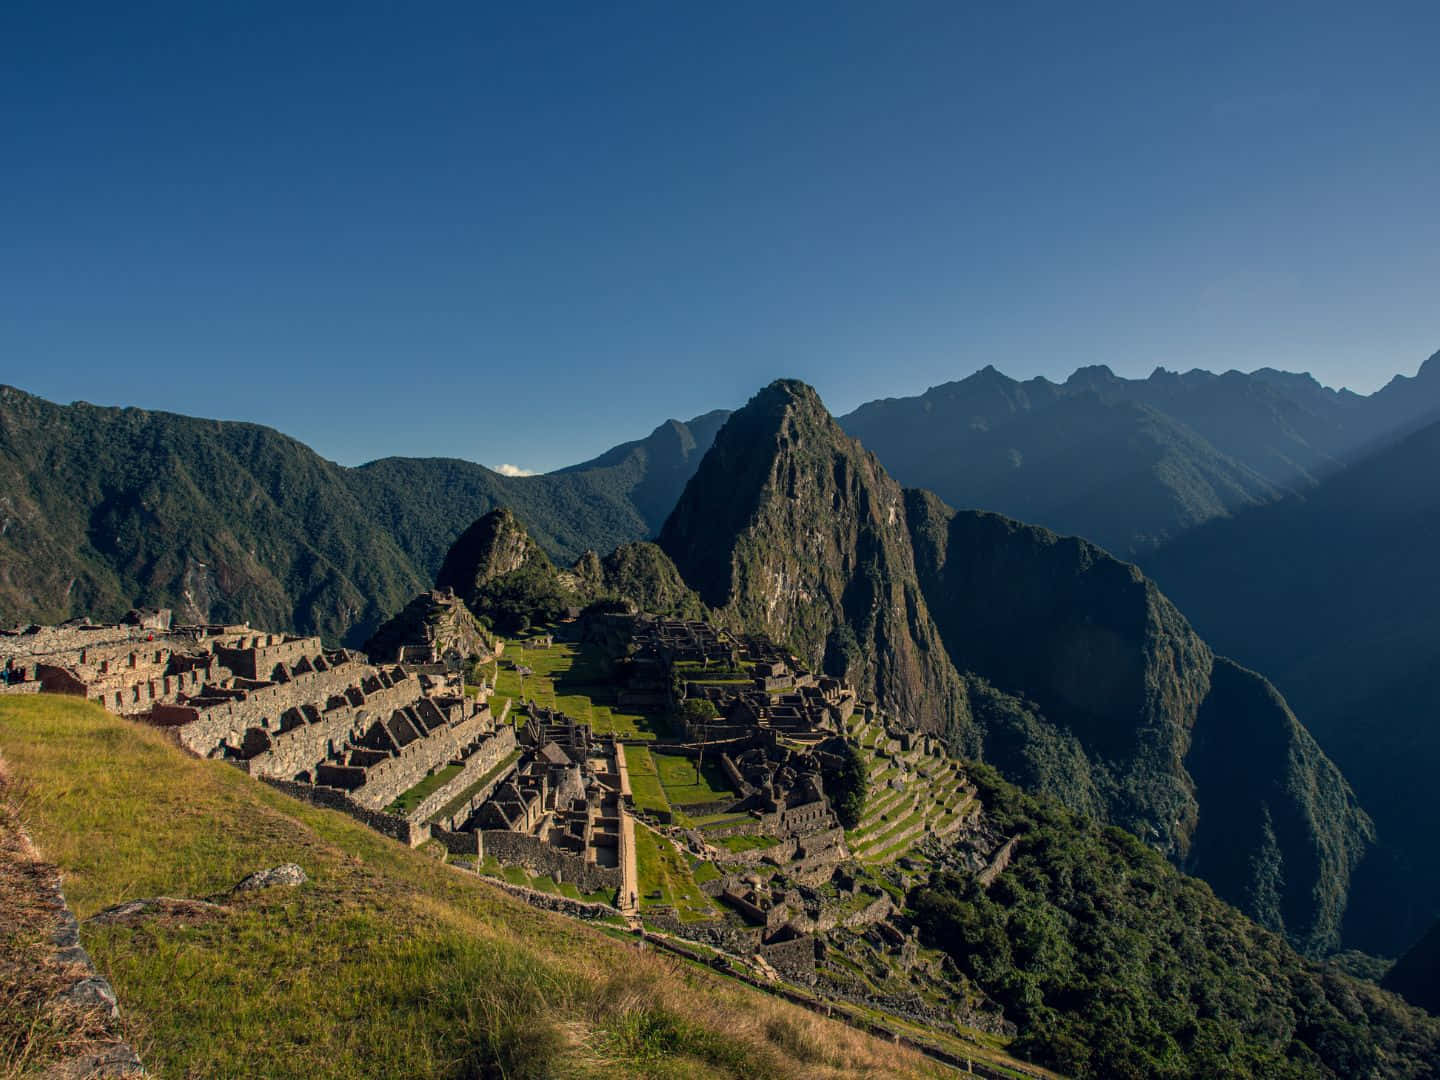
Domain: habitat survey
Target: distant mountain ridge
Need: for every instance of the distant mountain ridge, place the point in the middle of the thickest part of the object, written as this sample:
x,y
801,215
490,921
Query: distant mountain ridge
x,y
1043,655
1131,463
101,508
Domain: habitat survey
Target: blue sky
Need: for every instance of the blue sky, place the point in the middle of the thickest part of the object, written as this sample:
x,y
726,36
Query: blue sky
x,y
510,236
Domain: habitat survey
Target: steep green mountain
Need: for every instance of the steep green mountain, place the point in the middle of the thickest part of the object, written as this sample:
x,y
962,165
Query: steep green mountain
x,y
1335,595
1113,965
505,576
1416,975
791,527
1129,463
104,508
652,472
101,508
622,495
1079,678
493,546
1132,717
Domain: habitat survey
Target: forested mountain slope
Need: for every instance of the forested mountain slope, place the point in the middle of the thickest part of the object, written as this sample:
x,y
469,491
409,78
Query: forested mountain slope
x,y
101,508
1065,667
1336,596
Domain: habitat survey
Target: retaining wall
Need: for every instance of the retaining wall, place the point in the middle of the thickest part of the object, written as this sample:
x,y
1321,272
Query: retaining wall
x,y
392,825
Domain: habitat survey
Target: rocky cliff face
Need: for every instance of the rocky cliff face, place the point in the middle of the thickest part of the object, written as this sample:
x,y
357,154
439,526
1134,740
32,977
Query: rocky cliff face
x,y
790,527
1087,639
1128,714
495,545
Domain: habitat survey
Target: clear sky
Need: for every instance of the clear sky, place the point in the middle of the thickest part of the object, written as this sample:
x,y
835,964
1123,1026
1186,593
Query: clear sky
x,y
475,231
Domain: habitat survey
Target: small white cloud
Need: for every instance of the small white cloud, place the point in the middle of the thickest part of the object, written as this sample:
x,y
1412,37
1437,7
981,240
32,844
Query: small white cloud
x,y
514,470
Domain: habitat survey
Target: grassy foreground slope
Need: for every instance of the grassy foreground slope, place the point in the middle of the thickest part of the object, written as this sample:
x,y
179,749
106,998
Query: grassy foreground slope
x,y
385,963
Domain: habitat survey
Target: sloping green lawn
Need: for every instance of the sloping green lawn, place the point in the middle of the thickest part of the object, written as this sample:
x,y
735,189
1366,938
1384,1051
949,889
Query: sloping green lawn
x,y
683,787
645,786
385,963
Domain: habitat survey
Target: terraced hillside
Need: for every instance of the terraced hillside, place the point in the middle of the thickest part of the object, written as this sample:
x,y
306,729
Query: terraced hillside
x,y
914,793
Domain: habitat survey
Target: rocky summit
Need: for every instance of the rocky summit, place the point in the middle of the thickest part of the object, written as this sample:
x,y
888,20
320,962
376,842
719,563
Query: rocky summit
x,y
790,526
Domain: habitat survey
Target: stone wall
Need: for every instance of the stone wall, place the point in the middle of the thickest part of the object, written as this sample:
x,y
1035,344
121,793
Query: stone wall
x,y
392,825
202,728
576,909
491,751
794,959
539,858
257,657
391,778
458,843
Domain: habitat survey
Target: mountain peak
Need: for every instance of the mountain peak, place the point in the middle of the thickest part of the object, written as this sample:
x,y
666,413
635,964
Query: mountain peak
x,y
493,545
1091,373
790,392
791,527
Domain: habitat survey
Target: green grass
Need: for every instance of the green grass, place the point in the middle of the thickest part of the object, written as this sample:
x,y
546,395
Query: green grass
x,y
645,787
704,870
745,843
385,963
417,794
665,878
682,788
576,680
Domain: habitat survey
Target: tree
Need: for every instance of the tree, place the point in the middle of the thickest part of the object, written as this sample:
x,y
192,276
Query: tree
x,y
848,788
699,713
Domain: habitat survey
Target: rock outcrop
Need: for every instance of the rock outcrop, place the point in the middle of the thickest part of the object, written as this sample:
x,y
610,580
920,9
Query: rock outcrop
x,y
640,575
495,545
434,626
791,528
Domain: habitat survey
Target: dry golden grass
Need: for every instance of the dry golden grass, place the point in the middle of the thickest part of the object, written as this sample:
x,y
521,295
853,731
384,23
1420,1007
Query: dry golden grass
x,y
385,963
38,1031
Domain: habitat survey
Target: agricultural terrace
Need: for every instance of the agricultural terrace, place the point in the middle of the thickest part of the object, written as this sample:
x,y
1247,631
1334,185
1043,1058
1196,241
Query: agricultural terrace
x,y
574,679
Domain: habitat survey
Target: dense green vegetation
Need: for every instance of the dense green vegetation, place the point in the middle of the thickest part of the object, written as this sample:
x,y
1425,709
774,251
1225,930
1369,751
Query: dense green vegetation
x,y
1115,965
848,787
1337,599
105,508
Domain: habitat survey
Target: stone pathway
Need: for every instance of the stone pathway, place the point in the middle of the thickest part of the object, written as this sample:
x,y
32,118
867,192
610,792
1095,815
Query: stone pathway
x,y
629,898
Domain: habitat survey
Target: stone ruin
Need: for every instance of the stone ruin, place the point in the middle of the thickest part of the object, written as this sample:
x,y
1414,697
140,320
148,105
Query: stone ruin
x,y
559,810
324,722
127,667
435,628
